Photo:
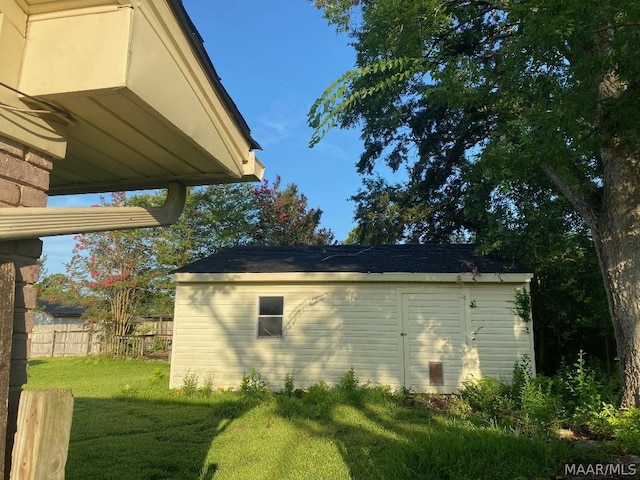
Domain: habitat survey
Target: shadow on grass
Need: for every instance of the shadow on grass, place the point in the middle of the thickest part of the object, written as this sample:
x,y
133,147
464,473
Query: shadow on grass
x,y
147,439
35,361
380,440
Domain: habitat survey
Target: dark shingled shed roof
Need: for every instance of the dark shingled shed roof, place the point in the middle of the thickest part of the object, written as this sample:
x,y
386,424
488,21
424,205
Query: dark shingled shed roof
x,y
354,259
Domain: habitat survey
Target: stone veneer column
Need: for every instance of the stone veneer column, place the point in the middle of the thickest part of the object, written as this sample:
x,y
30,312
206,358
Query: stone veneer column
x,y
24,182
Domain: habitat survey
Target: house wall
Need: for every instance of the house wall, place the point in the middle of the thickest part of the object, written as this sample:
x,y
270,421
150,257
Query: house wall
x,y
329,328
40,133
24,180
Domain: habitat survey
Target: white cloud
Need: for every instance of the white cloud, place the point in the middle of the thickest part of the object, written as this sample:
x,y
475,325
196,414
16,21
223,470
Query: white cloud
x,y
280,122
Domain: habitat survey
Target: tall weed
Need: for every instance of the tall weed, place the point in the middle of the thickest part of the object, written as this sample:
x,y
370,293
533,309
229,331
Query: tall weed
x,y
189,384
580,391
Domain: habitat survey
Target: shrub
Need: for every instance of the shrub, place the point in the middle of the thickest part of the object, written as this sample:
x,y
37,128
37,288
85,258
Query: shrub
x,y
157,377
189,384
206,390
525,403
253,386
349,381
488,396
622,425
289,384
538,406
318,402
318,389
380,394
522,375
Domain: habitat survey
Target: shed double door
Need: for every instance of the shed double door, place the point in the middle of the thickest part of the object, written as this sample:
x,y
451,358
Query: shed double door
x,y
433,333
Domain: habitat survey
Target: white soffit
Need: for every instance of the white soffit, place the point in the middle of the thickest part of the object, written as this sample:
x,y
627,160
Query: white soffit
x,y
145,108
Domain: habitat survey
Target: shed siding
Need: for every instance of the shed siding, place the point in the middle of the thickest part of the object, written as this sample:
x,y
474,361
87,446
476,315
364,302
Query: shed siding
x,y
500,337
435,327
329,328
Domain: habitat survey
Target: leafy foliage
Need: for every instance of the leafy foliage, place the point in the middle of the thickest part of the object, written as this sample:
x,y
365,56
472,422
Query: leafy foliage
x,y
289,384
116,270
349,381
622,425
575,398
282,217
190,384
253,386
517,126
59,289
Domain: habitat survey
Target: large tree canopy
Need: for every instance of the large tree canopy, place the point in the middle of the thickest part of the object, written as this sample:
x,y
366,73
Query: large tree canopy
x,y
539,93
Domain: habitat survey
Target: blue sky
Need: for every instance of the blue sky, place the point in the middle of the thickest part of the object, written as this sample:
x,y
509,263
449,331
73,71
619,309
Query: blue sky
x,y
275,58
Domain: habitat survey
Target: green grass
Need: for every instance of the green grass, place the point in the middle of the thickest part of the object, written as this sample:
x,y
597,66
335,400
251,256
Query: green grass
x,y
128,425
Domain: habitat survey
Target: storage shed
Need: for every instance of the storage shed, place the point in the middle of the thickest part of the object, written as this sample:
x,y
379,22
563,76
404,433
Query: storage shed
x,y
424,317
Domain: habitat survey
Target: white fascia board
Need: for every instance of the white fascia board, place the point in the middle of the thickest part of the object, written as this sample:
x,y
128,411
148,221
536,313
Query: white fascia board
x,y
341,277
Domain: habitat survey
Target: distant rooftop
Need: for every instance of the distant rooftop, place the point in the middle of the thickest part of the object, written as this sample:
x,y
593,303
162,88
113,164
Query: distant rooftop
x,y
58,310
353,258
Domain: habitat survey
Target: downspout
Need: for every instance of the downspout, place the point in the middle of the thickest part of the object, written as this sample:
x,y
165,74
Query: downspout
x,y
20,223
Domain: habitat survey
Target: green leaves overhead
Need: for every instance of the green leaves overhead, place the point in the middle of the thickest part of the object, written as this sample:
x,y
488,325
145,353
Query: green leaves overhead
x,y
329,110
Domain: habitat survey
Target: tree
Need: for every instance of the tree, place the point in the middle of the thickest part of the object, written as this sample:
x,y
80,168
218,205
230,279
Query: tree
x,y
214,217
515,222
59,289
282,217
528,92
127,271
117,269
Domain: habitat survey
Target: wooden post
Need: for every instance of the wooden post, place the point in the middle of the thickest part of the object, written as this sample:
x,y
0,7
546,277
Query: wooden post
x,y
42,440
89,335
53,344
7,298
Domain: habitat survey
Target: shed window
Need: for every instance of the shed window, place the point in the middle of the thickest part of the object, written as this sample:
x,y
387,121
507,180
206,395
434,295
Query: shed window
x,y
270,313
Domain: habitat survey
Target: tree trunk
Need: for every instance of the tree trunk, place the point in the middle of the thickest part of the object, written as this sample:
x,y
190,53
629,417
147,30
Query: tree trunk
x,y
617,239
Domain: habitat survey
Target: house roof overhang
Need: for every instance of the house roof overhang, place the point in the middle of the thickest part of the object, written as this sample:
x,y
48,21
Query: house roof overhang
x,y
133,97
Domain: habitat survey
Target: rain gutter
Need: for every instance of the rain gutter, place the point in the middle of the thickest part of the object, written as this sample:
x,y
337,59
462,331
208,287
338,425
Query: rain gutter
x,y
20,223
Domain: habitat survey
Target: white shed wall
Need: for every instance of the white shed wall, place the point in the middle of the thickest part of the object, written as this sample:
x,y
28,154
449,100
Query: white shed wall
x,y
329,328
497,334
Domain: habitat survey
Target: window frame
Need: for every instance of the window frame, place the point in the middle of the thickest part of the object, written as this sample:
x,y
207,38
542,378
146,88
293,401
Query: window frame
x,y
260,316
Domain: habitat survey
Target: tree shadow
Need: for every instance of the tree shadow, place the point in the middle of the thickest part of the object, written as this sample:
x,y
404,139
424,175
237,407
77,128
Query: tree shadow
x,y
382,441
147,439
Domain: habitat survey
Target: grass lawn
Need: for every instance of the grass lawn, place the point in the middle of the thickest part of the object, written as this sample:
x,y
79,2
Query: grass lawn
x,y
127,424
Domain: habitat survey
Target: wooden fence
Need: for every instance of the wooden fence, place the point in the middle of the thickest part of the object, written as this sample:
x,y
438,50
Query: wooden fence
x,y
138,346
69,340
64,340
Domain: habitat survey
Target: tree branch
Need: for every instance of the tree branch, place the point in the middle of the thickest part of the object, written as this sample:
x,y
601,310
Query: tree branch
x,y
574,195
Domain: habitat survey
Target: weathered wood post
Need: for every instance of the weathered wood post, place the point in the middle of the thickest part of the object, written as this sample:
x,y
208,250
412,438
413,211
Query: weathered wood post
x,y
42,440
53,344
89,338
7,298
